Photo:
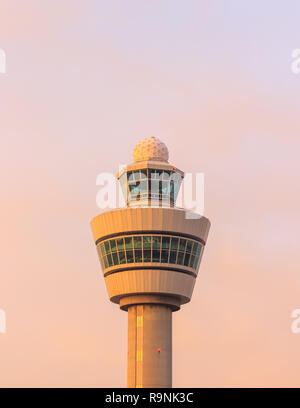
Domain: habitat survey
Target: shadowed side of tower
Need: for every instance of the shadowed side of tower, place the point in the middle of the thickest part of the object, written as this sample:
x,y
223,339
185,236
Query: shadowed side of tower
x,y
150,252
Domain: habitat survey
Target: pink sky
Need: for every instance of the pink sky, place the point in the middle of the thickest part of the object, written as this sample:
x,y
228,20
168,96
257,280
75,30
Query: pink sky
x,y
85,81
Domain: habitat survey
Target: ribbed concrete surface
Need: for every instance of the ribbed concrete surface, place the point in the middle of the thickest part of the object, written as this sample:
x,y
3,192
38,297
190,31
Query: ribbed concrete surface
x,y
150,282
149,218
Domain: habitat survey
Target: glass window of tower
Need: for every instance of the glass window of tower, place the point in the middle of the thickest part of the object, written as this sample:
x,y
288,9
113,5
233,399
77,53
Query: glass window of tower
x,y
154,184
154,248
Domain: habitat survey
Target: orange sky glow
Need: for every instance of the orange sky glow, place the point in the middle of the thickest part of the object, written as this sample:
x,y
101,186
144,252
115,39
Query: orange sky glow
x,y
85,82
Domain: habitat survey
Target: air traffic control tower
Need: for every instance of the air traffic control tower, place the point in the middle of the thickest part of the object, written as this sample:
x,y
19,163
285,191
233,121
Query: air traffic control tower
x,y
150,252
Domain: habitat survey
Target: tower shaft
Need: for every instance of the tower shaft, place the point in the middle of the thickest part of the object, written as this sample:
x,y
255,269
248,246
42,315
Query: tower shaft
x,y
149,346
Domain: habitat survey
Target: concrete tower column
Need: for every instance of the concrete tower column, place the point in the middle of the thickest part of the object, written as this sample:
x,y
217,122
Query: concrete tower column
x,y
149,346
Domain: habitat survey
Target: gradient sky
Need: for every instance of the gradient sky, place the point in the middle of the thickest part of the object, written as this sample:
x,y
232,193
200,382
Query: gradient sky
x,y
85,81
